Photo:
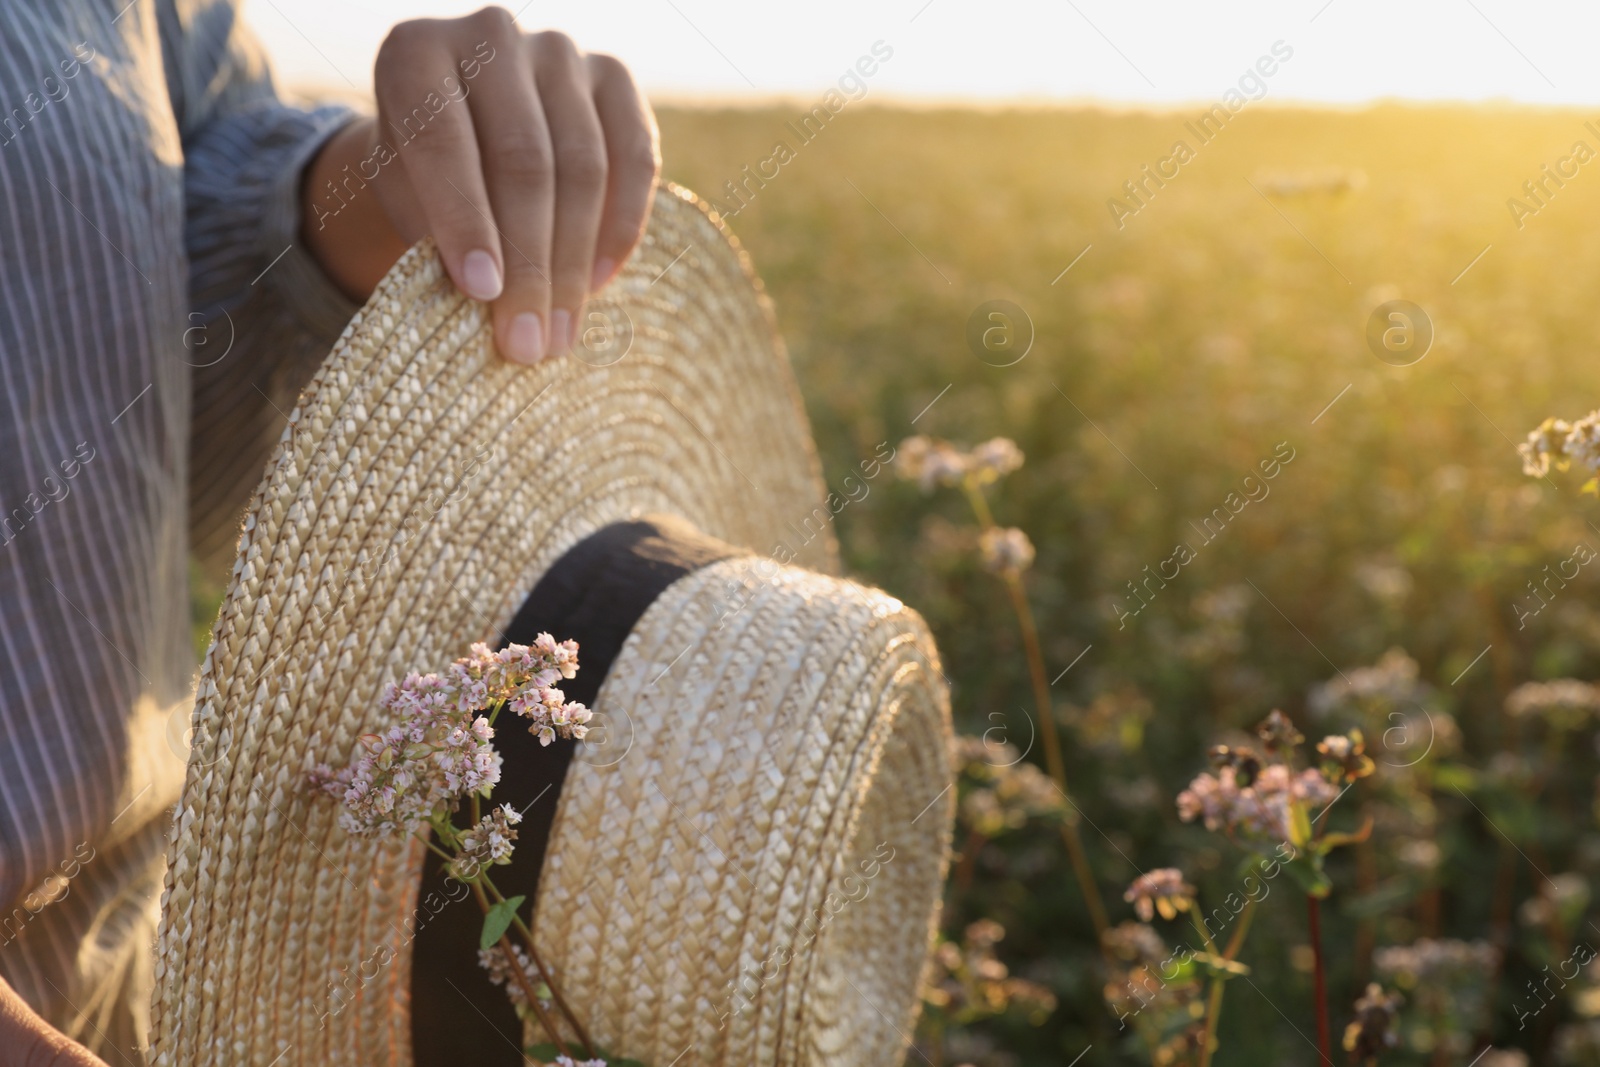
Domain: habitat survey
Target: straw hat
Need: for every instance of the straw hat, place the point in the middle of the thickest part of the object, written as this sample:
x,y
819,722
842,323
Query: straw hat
x,y
745,869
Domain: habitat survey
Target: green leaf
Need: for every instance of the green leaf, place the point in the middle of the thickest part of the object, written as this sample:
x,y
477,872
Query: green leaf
x,y
1309,876
1455,776
1330,842
1299,825
498,921
1248,866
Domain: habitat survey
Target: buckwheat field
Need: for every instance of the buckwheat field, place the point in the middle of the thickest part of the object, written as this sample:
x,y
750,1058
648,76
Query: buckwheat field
x,y
1268,409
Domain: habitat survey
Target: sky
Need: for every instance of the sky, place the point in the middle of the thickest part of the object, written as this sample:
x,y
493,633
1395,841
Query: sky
x,y
1137,53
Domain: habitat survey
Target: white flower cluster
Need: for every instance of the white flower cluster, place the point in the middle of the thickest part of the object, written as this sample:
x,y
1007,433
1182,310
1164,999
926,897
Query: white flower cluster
x,y
489,842
1336,747
1395,680
1430,960
1565,702
1005,550
494,961
1000,791
931,462
1557,443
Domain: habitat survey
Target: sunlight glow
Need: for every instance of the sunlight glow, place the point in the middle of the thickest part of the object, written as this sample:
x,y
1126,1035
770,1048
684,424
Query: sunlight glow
x,y
1147,53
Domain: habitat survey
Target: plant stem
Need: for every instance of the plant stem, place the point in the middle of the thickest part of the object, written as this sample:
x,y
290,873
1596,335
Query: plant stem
x,y
1213,1013
522,980
969,857
1052,752
1200,928
1236,942
545,976
478,886
980,506
1214,998
1318,983
1214,1001
1047,726
441,852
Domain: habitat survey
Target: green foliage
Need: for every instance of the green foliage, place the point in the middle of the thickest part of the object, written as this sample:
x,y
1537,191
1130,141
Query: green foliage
x,y
498,919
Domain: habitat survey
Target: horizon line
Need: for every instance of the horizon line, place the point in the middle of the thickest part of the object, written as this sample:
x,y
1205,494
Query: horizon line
x,y
734,101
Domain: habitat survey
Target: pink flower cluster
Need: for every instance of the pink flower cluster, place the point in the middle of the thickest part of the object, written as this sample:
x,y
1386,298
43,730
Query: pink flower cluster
x,y
1163,890
438,749
1261,808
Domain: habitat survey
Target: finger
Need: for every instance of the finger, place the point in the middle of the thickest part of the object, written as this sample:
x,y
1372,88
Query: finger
x,y
580,179
519,174
634,160
435,140
27,1038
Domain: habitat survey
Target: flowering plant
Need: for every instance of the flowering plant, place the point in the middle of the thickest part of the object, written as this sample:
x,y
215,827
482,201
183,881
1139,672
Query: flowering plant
x,y
1262,802
435,755
1007,553
965,981
1265,797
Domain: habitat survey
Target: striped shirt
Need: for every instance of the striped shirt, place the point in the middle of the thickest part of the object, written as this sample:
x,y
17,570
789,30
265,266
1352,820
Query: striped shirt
x,y
157,316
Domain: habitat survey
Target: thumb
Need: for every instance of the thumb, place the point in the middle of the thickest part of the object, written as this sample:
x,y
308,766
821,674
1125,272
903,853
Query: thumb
x,y
26,1040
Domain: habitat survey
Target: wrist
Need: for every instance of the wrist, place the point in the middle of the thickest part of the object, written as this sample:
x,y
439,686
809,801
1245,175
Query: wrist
x,y
342,219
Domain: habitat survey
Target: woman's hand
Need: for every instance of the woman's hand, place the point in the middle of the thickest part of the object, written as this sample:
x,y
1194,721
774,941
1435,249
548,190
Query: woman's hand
x,y
28,1041
531,163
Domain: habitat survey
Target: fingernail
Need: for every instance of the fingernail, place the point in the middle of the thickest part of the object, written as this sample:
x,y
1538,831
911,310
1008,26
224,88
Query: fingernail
x,y
560,332
480,275
525,339
602,273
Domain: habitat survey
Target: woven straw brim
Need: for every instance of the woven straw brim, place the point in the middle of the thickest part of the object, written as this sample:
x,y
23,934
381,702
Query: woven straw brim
x,y
749,871
421,489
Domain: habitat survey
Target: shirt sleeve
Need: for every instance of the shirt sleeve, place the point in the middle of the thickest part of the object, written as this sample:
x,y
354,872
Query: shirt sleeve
x,y
263,314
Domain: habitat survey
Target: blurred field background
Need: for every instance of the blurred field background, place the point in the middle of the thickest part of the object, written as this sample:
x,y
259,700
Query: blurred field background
x,y
1218,323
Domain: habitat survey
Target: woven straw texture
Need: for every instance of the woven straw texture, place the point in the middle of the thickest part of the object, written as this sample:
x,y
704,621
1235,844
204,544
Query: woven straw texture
x,y
422,486
752,876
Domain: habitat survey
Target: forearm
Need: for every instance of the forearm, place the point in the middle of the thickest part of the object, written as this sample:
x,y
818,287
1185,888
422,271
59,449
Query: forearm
x,y
342,221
